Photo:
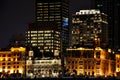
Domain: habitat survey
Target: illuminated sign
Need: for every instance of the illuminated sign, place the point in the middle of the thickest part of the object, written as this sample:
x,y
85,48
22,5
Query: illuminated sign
x,y
65,22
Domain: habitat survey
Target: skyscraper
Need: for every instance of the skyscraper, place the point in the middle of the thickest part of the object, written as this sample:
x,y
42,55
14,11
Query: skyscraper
x,y
89,28
57,11
111,8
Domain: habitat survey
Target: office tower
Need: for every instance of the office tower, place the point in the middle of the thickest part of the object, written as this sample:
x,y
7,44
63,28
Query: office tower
x,y
44,35
111,8
57,11
89,28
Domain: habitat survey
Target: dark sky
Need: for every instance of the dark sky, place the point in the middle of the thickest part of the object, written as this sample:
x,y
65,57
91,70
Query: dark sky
x,y
15,14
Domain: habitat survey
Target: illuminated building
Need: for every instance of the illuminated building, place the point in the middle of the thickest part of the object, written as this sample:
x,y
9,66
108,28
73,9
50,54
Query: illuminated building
x,y
12,61
111,8
89,25
44,35
117,64
55,11
88,55
42,67
90,61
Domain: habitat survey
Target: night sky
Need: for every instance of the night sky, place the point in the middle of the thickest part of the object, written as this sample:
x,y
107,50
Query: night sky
x,y
15,14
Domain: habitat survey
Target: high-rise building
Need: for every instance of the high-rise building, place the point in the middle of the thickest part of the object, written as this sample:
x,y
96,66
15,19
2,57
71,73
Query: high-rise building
x,y
111,8
44,35
89,28
57,11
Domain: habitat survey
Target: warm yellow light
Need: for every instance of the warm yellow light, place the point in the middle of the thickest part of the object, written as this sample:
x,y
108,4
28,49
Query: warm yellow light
x,y
98,48
95,39
94,56
21,49
1,59
6,58
113,52
20,71
6,70
0,69
11,71
117,56
109,50
16,59
11,59
102,57
81,48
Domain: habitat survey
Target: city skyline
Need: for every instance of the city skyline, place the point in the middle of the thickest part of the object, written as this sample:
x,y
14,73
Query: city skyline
x,y
14,17
58,38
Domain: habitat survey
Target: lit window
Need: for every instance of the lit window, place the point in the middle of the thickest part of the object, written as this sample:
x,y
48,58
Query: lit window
x,y
34,44
33,31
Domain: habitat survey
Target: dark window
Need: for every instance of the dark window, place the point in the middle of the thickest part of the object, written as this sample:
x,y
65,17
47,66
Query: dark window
x,y
13,59
9,67
85,62
8,63
92,67
118,66
3,63
88,67
68,62
97,54
98,63
85,67
3,55
17,66
9,55
3,67
85,54
72,62
76,67
4,59
72,67
14,66
75,62
9,59
80,62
